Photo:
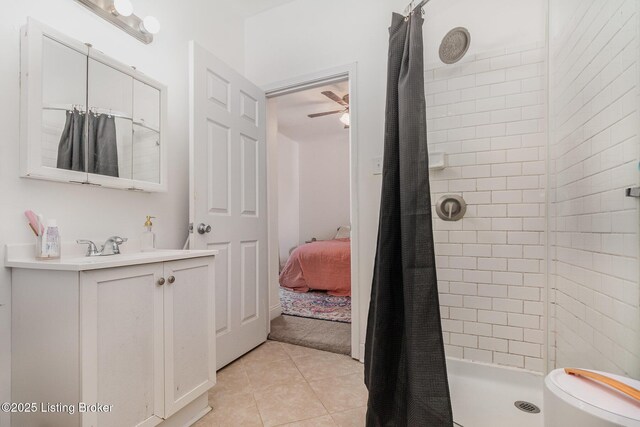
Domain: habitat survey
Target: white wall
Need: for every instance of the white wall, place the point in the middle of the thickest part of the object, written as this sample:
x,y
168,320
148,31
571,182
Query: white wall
x,y
324,186
307,36
594,151
313,189
493,24
288,196
84,211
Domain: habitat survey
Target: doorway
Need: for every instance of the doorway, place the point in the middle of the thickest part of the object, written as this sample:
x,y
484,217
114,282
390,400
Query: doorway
x,y
312,204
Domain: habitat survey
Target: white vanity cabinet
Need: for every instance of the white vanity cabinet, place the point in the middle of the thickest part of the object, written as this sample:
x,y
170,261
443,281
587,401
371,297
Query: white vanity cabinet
x,y
138,337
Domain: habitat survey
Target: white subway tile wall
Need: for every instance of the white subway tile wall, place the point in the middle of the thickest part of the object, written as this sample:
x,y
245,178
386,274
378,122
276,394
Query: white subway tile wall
x,y
594,290
489,115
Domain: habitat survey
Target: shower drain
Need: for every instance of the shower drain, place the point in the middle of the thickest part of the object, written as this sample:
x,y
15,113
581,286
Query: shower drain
x,y
527,407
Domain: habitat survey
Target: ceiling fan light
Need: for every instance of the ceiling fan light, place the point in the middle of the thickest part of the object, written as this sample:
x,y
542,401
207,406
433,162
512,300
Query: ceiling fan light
x,y
346,119
122,7
150,25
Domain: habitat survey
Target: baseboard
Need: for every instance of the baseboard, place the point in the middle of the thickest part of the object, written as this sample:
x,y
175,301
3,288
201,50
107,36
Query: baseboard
x,y
190,414
201,414
275,311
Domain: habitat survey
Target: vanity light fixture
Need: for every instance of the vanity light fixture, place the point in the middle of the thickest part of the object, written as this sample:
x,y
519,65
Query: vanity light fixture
x,y
150,25
122,7
120,13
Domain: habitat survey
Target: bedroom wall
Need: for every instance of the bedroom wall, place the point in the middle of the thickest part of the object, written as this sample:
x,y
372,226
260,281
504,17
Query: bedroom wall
x,y
313,189
324,186
211,23
307,36
288,196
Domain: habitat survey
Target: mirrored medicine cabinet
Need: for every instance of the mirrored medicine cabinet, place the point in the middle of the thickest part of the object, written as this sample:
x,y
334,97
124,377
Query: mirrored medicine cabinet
x,y
86,118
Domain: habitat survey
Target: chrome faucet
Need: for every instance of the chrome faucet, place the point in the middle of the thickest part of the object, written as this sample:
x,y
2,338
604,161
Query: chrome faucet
x,y
92,250
110,247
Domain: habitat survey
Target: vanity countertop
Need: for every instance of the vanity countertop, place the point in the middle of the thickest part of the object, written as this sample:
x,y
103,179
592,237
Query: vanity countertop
x,y
18,259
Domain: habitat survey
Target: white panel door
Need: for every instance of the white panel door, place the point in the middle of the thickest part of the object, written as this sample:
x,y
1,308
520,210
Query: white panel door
x,y
190,367
122,336
228,192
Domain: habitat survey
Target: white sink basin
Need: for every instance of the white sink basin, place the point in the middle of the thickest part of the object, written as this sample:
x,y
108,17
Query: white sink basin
x,y
75,263
125,256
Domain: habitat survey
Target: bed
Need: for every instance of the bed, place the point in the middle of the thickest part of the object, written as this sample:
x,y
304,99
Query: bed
x,y
320,265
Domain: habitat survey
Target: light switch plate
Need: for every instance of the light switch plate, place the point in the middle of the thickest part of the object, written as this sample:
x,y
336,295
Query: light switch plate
x,y
376,166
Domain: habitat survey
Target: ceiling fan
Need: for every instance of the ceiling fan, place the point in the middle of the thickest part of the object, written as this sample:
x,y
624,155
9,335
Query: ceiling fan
x,y
344,101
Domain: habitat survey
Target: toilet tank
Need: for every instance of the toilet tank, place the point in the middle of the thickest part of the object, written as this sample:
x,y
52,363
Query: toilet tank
x,y
571,400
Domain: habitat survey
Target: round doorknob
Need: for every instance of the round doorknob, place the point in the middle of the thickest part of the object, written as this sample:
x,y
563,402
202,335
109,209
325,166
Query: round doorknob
x,y
204,228
171,279
161,281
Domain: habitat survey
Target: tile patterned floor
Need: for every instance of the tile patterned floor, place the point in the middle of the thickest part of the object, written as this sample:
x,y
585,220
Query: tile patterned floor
x,y
280,384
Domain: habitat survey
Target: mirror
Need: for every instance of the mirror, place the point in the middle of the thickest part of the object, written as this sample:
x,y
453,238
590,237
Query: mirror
x,y
146,133
110,121
64,87
89,119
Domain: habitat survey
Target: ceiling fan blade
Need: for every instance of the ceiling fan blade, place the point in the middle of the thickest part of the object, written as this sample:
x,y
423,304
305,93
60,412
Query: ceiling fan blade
x,y
332,96
324,114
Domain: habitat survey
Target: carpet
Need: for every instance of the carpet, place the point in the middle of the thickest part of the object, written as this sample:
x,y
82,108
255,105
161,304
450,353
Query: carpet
x,y
316,305
319,334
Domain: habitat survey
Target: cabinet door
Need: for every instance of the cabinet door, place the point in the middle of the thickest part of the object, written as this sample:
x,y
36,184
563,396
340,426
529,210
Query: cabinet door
x,y
189,331
122,335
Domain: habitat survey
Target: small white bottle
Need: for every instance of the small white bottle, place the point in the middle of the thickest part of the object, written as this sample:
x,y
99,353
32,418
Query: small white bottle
x,y
148,238
51,241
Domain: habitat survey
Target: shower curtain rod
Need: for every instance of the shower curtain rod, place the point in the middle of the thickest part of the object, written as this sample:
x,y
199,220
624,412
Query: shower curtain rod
x,y
64,107
67,107
410,6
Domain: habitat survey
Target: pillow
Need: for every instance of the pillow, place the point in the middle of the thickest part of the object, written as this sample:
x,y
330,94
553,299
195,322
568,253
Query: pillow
x,y
344,232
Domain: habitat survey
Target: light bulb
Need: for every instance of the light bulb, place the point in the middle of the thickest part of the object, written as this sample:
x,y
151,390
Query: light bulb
x,y
346,119
122,7
150,25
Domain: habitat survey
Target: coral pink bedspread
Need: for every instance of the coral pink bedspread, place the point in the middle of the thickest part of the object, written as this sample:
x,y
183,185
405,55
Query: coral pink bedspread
x,y
322,265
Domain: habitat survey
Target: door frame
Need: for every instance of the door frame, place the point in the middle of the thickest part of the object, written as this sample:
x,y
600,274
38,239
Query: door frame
x,y
295,84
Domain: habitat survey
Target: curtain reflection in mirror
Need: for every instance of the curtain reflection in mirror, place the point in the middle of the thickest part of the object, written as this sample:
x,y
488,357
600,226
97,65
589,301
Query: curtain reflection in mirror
x,y
71,146
103,146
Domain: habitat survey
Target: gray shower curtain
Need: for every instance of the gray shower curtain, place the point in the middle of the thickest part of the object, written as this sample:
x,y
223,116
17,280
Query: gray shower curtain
x,y
405,369
103,145
71,146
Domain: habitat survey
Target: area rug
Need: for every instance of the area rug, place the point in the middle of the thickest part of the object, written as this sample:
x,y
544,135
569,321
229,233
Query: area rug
x,y
316,305
313,333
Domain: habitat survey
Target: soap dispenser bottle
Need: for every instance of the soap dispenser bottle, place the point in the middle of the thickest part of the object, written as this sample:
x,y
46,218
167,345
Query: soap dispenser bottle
x,y
148,239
